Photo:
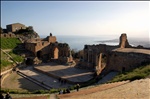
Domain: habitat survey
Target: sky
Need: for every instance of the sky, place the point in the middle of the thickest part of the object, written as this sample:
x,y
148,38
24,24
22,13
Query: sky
x,y
86,18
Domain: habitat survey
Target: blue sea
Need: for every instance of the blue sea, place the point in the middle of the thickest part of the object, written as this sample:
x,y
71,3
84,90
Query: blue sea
x,y
77,42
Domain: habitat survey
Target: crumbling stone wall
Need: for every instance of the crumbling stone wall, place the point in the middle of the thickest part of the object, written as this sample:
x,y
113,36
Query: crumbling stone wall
x,y
8,35
115,60
120,61
48,49
92,52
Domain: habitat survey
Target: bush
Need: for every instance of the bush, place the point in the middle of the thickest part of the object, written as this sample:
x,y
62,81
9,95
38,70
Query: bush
x,y
40,92
16,57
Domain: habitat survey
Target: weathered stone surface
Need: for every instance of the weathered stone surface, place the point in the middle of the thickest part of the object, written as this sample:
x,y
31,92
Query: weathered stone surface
x,y
103,58
124,41
49,49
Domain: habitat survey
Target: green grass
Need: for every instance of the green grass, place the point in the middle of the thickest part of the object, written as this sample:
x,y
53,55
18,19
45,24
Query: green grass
x,y
135,74
9,43
16,57
4,61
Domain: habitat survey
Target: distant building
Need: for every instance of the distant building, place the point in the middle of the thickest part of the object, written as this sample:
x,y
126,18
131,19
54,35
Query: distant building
x,y
15,27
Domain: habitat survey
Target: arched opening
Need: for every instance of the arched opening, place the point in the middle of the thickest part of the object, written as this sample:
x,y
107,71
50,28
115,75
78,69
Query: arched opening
x,y
104,60
56,53
29,61
39,54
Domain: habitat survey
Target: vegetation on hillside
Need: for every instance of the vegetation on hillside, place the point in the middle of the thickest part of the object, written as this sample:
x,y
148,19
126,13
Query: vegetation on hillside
x,y
5,61
9,43
27,33
28,30
137,73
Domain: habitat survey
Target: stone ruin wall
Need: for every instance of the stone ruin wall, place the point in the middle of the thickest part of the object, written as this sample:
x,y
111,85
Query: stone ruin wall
x,y
40,45
8,35
92,53
119,61
49,49
116,61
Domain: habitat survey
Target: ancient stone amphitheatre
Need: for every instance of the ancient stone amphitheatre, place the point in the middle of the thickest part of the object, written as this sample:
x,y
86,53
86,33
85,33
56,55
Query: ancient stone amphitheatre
x,y
53,67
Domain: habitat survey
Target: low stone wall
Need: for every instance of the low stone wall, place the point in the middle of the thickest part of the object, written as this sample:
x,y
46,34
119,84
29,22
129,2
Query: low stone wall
x,y
8,35
120,61
5,74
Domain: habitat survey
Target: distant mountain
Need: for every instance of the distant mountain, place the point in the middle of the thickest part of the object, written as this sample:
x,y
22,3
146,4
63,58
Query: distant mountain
x,y
133,41
105,41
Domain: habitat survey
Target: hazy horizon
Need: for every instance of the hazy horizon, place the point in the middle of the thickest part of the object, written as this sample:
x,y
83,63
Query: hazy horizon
x,y
77,42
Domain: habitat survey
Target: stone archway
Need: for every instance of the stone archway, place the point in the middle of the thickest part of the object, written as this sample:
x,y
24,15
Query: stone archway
x,y
56,51
29,61
101,62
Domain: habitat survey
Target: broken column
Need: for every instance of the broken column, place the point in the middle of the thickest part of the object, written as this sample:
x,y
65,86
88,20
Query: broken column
x,y
124,41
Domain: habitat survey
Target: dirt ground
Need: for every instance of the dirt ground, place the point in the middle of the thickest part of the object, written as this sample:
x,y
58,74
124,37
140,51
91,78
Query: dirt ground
x,y
19,83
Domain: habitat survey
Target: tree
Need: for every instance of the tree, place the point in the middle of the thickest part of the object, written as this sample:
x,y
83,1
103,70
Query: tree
x,y
30,29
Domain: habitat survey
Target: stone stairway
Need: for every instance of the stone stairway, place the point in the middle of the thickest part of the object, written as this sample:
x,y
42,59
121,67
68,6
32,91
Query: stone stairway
x,y
34,80
107,78
91,90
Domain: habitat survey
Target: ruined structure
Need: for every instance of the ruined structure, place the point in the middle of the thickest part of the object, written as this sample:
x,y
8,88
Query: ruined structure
x,y
15,29
8,35
104,58
124,41
48,49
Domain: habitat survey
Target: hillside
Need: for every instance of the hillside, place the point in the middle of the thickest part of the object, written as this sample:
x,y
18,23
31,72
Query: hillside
x,y
9,43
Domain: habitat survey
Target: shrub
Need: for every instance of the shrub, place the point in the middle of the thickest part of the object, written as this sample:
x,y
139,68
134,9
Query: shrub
x,y
40,92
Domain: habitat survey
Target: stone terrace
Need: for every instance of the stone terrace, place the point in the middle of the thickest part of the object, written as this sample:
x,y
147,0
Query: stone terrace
x,y
127,50
71,74
47,80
